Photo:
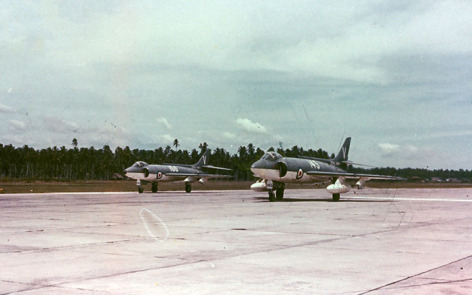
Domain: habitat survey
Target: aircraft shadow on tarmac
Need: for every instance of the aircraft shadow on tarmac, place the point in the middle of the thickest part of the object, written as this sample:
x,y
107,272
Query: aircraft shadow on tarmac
x,y
293,200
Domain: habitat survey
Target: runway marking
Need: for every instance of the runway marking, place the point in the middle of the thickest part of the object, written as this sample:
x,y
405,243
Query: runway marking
x,y
155,227
409,199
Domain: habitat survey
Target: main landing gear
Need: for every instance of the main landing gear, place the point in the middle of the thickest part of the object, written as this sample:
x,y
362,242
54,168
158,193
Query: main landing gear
x,y
188,187
154,187
336,197
279,191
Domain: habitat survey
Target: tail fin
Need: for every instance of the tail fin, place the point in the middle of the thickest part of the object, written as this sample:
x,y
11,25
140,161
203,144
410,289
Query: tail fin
x,y
344,151
203,160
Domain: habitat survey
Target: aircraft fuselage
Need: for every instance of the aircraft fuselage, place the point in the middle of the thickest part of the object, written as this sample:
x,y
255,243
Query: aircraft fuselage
x,y
154,172
292,170
274,171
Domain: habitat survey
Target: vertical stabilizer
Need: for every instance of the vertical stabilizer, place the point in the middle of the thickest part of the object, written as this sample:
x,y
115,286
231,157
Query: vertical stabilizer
x,y
203,160
344,151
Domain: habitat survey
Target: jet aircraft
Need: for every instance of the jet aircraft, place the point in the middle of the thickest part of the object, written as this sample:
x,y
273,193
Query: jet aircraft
x,y
154,173
275,171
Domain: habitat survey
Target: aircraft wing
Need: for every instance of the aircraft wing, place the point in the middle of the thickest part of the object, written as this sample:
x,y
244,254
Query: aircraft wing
x,y
181,174
199,175
351,175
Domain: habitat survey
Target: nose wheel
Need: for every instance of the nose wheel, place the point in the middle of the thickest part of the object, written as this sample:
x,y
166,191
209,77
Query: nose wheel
x,y
140,188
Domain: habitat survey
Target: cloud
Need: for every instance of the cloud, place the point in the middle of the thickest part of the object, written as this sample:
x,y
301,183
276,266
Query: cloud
x,y
249,126
229,135
164,122
17,125
229,67
389,149
167,139
58,125
6,109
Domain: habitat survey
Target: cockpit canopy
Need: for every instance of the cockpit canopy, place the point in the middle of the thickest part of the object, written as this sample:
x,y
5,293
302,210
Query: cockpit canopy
x,y
271,156
140,164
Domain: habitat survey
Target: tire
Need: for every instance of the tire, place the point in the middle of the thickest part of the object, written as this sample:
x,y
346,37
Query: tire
x,y
279,193
188,188
271,196
154,187
336,197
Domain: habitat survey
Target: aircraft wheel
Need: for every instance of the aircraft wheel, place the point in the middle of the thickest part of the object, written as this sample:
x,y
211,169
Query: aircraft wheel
x,y
336,197
140,190
271,196
279,193
188,188
154,187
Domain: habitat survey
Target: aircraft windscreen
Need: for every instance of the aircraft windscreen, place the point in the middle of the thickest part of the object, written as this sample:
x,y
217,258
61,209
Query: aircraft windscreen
x,y
140,164
271,156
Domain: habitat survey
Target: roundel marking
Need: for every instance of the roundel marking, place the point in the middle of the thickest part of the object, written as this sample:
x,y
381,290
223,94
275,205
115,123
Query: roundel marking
x,y
300,173
159,175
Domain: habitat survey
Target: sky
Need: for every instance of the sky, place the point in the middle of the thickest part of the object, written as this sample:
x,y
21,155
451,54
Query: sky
x,y
396,76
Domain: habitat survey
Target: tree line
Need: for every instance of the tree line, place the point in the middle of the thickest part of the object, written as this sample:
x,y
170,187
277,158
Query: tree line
x,y
74,163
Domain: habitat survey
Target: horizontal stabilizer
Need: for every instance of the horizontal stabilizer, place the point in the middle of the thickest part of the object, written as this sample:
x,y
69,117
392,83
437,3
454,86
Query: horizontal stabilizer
x,y
214,167
357,164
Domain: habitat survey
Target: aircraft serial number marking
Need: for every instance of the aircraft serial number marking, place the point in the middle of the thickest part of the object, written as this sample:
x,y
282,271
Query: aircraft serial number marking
x,y
173,168
314,164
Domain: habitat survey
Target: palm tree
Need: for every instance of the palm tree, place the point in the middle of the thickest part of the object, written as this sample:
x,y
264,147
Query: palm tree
x,y
75,143
176,143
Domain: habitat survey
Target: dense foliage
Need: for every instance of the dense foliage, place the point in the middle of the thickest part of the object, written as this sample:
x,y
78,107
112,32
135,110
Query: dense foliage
x,y
102,164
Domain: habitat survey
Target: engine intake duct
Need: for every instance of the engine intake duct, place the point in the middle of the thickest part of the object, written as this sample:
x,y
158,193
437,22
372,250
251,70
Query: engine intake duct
x,y
282,167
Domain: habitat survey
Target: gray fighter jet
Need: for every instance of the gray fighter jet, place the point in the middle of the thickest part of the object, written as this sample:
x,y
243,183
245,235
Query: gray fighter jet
x,y
144,172
274,171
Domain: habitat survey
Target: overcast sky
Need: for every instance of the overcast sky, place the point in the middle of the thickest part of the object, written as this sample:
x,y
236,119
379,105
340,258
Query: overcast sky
x,y
396,76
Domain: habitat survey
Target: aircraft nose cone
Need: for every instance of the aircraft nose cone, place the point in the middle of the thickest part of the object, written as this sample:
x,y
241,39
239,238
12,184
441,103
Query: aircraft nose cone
x,y
255,166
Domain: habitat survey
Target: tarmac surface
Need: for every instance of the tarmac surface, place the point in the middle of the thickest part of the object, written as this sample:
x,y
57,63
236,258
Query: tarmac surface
x,y
374,241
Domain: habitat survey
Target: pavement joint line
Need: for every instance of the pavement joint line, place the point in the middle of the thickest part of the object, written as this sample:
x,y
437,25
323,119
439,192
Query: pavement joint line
x,y
67,247
410,199
340,237
450,226
186,262
436,282
416,275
